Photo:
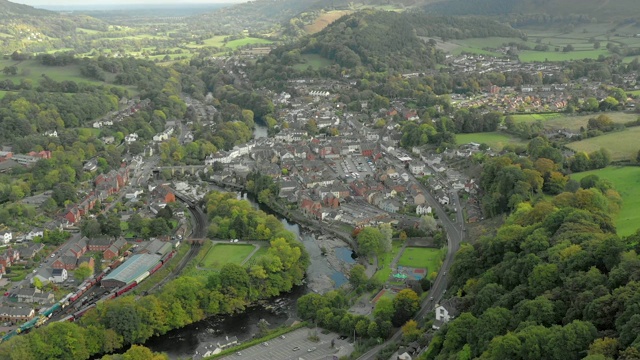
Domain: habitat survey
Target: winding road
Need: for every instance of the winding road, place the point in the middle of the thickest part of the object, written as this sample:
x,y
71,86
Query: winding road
x,y
455,235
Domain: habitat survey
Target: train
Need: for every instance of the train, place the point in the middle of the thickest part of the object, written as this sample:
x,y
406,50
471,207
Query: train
x,y
83,288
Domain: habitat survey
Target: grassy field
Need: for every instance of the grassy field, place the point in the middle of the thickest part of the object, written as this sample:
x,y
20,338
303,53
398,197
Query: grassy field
x,y
421,258
573,122
580,38
222,254
234,44
324,20
627,183
33,70
384,262
495,140
313,60
532,56
535,117
623,145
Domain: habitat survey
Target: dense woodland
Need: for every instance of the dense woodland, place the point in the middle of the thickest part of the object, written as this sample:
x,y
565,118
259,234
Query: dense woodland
x,y
554,282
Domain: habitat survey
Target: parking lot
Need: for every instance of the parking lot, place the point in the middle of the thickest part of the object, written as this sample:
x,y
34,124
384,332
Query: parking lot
x,y
296,346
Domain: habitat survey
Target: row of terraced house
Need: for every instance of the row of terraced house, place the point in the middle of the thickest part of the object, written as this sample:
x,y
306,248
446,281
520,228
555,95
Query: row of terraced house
x,y
105,186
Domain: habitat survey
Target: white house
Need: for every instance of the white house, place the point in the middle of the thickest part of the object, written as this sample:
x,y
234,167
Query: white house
x,y
51,133
423,209
133,195
163,136
59,275
444,200
416,168
131,138
445,312
6,237
33,233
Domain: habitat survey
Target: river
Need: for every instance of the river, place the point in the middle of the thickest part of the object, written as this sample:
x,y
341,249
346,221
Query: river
x,y
183,343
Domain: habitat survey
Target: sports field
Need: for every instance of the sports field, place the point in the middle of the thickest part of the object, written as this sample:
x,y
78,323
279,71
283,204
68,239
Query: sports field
x,y
221,254
627,182
421,258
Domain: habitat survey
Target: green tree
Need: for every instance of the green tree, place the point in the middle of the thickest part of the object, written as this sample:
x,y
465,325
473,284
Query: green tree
x,y
411,331
83,271
405,304
369,241
358,276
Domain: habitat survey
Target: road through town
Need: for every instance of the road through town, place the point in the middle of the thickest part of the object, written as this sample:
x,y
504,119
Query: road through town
x,y
455,235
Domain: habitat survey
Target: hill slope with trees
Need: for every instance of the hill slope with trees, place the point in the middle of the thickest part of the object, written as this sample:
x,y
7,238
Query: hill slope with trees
x,y
601,10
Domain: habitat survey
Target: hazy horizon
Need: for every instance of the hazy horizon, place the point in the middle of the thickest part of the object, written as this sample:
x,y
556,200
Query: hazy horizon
x,y
114,3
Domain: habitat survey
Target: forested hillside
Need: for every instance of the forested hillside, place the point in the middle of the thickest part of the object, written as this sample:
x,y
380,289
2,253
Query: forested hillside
x,y
554,282
560,9
382,41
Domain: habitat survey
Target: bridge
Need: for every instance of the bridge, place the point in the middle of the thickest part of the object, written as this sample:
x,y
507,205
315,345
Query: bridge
x,y
191,169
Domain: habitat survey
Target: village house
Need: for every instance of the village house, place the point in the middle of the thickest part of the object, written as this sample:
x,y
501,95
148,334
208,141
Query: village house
x,y
423,210
16,314
6,237
445,312
164,193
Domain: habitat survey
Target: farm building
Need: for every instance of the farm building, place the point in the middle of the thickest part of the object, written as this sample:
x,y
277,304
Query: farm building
x,y
132,269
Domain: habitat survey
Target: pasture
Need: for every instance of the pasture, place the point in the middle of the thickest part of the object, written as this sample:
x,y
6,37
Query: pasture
x,y
627,182
623,145
582,38
33,70
222,254
324,20
495,140
314,60
572,122
234,44
428,258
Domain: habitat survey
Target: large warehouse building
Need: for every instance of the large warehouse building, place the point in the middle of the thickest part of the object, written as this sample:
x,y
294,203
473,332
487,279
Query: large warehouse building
x,y
130,270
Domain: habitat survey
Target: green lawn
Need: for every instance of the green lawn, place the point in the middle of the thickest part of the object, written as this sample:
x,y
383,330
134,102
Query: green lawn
x,y
421,258
222,254
384,262
246,41
495,140
313,60
627,182
623,145
531,56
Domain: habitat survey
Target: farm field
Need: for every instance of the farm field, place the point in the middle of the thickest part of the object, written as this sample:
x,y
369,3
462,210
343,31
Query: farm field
x,y
32,70
313,60
421,258
627,182
234,44
580,38
495,140
541,56
324,20
535,117
623,145
573,122
222,254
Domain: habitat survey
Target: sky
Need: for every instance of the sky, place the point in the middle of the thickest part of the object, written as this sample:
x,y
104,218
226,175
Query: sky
x,y
84,3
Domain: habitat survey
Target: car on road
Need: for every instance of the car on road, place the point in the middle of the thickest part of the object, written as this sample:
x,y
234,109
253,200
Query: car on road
x,y
295,348
311,349
265,343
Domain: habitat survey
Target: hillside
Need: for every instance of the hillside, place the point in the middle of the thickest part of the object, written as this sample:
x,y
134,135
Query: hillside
x,y
600,10
384,41
9,10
